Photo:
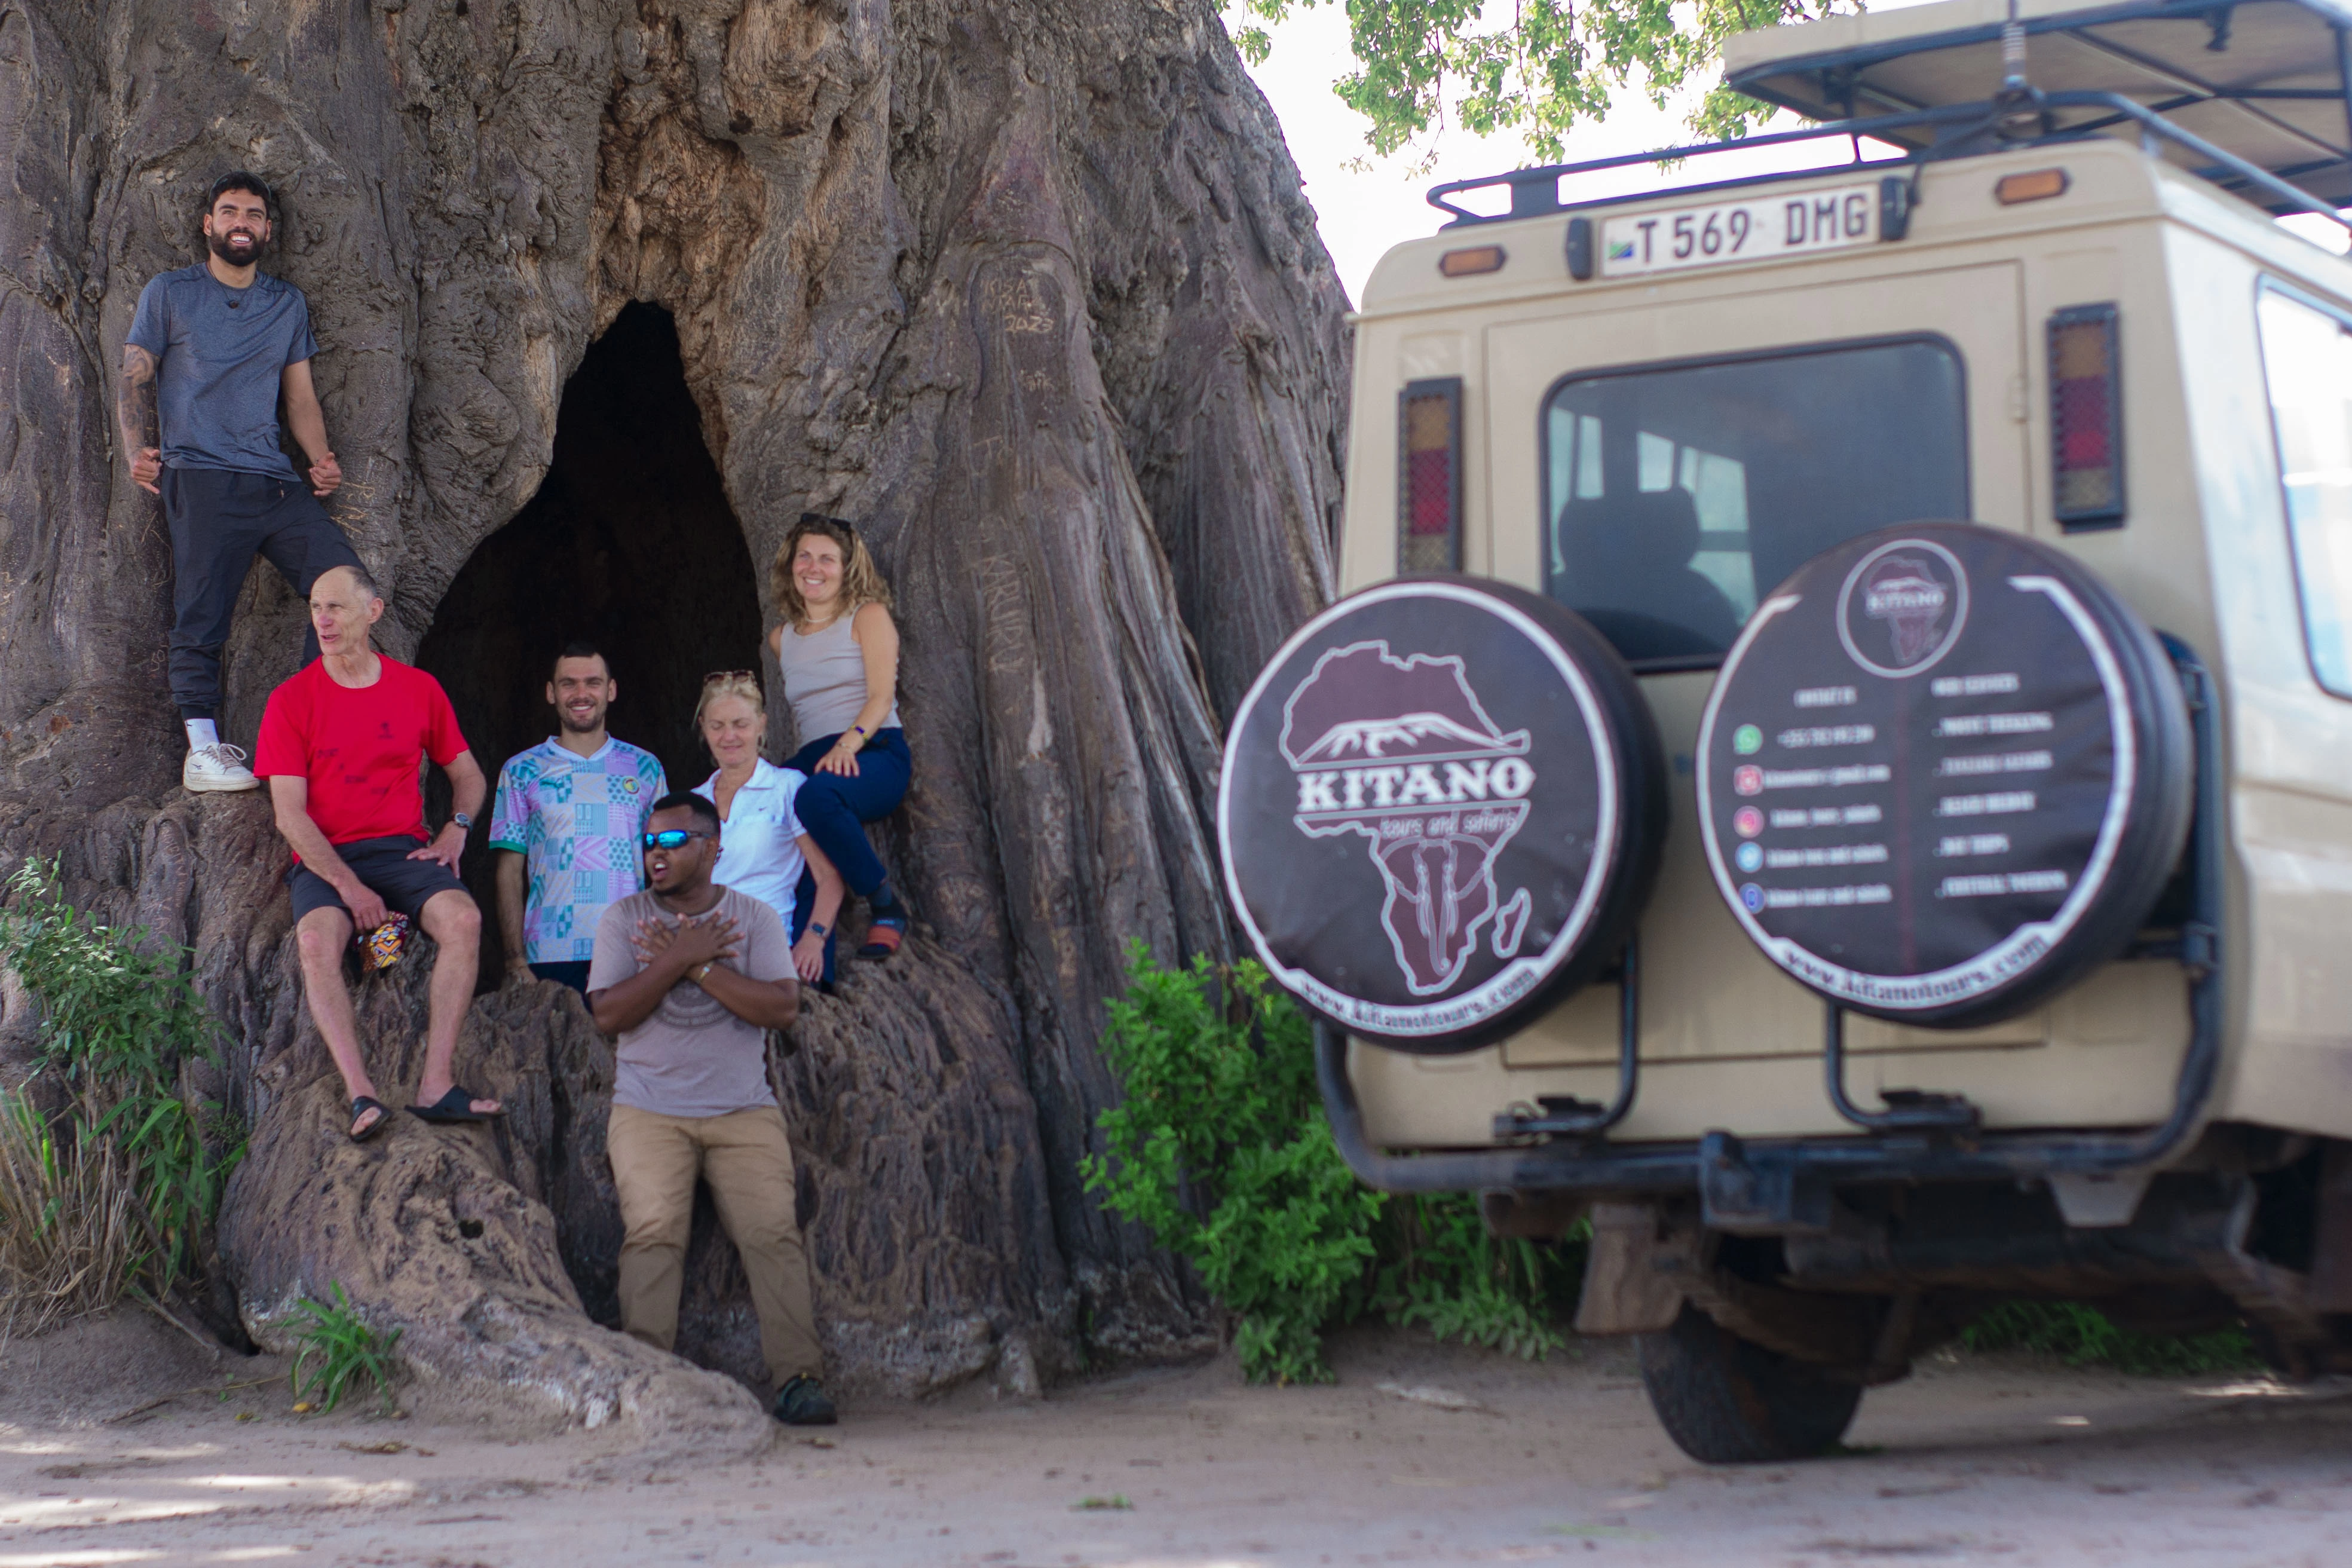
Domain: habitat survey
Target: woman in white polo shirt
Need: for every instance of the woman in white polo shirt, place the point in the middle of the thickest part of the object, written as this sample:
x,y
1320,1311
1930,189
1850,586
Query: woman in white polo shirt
x,y
762,844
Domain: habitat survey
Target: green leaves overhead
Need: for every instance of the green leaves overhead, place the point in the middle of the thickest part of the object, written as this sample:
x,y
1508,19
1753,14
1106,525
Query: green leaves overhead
x,y
1538,68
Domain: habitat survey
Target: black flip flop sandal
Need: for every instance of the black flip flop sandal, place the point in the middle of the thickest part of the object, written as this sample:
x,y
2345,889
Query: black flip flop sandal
x,y
457,1105
361,1105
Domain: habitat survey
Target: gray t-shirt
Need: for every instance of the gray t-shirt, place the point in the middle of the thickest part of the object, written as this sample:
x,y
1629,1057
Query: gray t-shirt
x,y
692,1057
219,354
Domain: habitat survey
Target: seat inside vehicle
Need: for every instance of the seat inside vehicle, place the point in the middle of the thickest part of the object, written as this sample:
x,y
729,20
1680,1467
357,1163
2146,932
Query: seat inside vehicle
x,y
1641,545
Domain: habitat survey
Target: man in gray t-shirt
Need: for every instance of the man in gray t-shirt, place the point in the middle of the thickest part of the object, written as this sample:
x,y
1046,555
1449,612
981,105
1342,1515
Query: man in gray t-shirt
x,y
691,976
212,348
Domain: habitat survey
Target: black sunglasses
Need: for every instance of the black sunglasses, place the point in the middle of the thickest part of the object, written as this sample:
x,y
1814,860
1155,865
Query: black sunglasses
x,y
673,837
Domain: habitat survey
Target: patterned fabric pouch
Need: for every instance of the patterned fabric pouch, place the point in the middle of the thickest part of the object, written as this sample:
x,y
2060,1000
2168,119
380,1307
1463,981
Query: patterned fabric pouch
x,y
381,948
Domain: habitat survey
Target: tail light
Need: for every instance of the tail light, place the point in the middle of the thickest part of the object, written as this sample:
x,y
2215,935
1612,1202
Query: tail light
x,y
1429,500
2086,427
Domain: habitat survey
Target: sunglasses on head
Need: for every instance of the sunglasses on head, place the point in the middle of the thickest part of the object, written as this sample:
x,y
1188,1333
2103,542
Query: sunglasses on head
x,y
673,837
711,675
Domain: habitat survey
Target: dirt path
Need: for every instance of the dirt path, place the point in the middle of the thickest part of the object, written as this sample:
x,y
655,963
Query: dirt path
x,y
1990,1461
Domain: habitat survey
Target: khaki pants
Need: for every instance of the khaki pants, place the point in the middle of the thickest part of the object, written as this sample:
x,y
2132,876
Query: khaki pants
x,y
748,1161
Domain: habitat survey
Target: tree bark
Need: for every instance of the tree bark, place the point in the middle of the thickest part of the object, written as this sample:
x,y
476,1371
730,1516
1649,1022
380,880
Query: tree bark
x,y
1028,289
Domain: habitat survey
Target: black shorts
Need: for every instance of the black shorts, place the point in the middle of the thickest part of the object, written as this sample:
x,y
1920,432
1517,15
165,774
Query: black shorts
x,y
384,865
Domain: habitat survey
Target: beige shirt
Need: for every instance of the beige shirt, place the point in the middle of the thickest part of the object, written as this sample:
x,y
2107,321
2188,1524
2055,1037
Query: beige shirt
x,y
691,1057
824,681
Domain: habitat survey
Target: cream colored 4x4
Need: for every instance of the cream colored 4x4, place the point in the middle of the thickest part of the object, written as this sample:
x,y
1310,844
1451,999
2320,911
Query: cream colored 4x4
x,y
1837,759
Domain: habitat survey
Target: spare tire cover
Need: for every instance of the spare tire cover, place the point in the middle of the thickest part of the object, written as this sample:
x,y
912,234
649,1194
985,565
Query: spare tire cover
x,y
1442,807
1944,772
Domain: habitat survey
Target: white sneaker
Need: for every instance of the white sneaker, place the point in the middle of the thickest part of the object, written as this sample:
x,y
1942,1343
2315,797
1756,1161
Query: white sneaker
x,y
218,769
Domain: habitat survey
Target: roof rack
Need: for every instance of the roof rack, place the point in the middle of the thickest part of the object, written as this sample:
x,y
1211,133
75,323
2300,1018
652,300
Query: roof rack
x,y
2269,117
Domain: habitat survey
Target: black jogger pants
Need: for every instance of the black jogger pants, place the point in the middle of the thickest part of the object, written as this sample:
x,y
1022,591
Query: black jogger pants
x,y
219,521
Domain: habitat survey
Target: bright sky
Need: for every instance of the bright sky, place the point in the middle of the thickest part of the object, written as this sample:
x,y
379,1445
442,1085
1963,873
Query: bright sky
x,y
1363,214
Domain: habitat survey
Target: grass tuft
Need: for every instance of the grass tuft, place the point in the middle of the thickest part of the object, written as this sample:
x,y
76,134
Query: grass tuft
x,y
334,1347
70,1240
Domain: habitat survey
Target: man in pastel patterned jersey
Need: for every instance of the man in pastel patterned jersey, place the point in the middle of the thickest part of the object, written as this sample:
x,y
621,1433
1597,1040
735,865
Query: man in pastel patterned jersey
x,y
568,815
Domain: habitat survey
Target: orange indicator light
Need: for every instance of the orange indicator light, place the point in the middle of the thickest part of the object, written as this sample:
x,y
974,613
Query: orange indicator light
x,y
2037,186
1470,263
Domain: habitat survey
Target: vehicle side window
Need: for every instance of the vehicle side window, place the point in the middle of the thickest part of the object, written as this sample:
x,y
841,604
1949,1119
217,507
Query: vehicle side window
x,y
1673,497
2308,359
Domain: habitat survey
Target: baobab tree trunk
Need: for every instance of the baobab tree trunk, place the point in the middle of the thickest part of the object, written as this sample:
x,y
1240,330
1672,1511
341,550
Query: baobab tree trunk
x,y
1025,287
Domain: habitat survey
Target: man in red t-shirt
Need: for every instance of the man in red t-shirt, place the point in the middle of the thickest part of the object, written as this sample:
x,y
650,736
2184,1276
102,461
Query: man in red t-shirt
x,y
343,745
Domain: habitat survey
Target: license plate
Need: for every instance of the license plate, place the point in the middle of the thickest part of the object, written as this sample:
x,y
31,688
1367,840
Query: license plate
x,y
1758,230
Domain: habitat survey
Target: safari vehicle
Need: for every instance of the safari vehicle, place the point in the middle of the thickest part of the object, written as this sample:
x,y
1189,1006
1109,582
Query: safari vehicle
x,y
1835,762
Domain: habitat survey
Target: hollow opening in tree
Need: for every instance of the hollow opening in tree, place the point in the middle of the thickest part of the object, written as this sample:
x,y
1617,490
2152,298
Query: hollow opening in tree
x,y
630,543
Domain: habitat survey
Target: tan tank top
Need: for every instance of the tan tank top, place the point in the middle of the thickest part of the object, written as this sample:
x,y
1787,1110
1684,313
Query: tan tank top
x,y
824,681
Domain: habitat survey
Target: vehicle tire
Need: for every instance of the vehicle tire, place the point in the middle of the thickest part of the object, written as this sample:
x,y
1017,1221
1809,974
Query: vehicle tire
x,y
1726,1401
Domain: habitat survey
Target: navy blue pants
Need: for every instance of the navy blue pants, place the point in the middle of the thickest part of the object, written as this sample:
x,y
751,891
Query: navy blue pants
x,y
218,522
834,810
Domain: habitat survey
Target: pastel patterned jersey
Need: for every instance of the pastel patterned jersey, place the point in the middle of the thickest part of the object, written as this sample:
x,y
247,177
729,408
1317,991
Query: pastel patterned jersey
x,y
576,821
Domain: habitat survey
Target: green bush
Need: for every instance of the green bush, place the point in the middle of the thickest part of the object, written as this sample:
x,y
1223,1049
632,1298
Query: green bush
x,y
1221,1151
118,1026
2085,1336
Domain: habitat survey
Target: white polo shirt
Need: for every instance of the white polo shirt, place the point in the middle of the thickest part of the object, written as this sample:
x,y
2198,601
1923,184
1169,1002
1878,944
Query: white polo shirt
x,y
759,843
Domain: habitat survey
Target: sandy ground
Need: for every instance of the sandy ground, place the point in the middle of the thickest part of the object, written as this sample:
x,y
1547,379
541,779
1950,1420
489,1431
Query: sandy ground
x,y
2002,1460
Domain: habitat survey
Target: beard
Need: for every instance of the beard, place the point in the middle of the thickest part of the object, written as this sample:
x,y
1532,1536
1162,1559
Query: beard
x,y
595,722
218,244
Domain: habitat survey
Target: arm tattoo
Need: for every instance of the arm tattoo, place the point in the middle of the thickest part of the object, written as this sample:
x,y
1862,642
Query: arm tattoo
x,y
134,399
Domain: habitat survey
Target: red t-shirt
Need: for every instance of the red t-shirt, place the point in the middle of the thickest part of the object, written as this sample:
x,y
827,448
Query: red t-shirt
x,y
360,747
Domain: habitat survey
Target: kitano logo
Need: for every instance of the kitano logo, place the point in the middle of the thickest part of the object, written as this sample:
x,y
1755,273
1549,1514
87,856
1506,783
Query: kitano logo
x,y
1413,783
1902,607
1910,603
1401,751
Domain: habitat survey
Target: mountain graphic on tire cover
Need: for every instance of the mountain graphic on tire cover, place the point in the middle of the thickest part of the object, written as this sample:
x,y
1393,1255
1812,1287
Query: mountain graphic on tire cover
x,y
1442,804
1944,772
1403,720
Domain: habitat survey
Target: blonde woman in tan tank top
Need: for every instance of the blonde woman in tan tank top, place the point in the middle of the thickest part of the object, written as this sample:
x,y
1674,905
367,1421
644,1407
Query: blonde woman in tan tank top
x,y
837,650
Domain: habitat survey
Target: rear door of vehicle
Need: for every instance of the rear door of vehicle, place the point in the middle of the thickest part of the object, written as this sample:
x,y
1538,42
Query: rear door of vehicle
x,y
1708,993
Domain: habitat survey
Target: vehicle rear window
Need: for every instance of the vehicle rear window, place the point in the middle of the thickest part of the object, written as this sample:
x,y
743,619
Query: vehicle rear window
x,y
2307,358
1672,496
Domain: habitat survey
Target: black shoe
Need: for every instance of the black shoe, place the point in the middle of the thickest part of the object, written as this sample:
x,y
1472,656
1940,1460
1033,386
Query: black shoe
x,y
802,1402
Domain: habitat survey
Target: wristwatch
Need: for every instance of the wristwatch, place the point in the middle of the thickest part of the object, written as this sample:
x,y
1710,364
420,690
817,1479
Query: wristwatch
x,y
700,971
818,927
464,823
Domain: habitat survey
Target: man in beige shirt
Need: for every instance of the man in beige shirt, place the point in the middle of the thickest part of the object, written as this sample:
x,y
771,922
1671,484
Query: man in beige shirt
x,y
691,976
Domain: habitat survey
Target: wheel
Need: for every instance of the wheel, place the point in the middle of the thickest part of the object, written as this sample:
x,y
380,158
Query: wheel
x,y
1726,1401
